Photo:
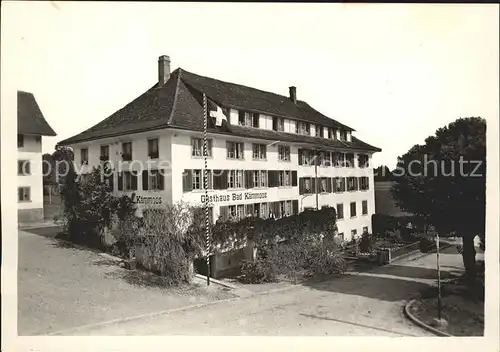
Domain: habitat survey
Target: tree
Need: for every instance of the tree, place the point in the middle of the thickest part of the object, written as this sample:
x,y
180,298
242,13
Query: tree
x,y
62,162
444,182
382,173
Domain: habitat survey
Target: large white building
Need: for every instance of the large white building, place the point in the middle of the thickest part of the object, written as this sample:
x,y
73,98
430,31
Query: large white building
x,y
260,161
31,126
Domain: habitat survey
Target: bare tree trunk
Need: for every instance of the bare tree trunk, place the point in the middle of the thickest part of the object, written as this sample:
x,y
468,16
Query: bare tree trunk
x,y
469,258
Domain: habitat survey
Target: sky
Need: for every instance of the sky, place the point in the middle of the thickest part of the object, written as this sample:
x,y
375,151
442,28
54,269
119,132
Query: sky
x,y
394,73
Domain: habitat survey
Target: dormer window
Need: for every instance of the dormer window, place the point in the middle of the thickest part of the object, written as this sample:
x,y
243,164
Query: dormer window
x,y
319,130
278,124
332,133
248,119
343,136
303,128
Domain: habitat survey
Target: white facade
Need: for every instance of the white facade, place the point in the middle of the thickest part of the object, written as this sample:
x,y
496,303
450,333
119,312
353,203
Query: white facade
x,y
30,178
175,156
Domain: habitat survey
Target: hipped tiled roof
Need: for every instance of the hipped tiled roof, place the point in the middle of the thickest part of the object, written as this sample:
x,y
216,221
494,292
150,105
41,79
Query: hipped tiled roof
x,y
30,119
178,105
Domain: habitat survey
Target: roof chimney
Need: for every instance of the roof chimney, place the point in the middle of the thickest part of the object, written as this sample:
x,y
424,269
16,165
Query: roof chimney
x,y
293,94
163,70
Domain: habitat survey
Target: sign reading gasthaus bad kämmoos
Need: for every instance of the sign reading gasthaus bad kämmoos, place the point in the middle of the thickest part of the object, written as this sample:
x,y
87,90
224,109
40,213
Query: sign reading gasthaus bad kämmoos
x,y
216,198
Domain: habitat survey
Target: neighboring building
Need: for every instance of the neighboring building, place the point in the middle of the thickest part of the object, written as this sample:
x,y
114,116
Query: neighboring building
x,y
384,201
259,161
31,126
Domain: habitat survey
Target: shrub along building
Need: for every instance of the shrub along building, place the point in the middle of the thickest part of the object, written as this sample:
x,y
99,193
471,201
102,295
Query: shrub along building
x,y
31,126
267,153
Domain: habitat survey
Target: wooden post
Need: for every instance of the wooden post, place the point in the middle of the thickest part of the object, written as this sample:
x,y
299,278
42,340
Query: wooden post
x,y
439,277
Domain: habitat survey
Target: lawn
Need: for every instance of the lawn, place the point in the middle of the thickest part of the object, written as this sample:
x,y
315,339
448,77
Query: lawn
x,y
464,317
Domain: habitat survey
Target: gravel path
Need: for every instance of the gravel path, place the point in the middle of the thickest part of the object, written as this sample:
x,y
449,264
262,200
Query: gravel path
x,y
61,288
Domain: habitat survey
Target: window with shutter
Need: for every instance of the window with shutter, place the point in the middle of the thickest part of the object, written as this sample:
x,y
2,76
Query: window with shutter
x,y
133,175
145,179
120,181
249,210
329,182
187,182
295,206
365,207
224,213
224,177
161,180
353,209
301,185
322,186
314,184
340,211
294,178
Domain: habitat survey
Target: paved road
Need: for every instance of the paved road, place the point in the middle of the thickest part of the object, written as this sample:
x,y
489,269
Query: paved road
x,y
366,304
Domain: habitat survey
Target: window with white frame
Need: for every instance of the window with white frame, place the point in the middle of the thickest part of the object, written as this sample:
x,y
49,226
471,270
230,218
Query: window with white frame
x,y
236,212
323,185
248,119
104,152
349,160
307,157
197,145
353,209
343,135
24,194
363,160
235,179
84,156
284,153
259,151
285,178
197,179
234,150
307,185
127,151
286,208
340,211
319,131
278,124
154,180
128,181
153,150
365,207
303,128
338,159
256,178
263,178
324,158
23,167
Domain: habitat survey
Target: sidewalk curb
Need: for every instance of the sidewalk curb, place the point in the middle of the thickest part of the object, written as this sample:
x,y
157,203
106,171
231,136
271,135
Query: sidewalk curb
x,y
164,312
420,323
36,225
417,254
215,281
